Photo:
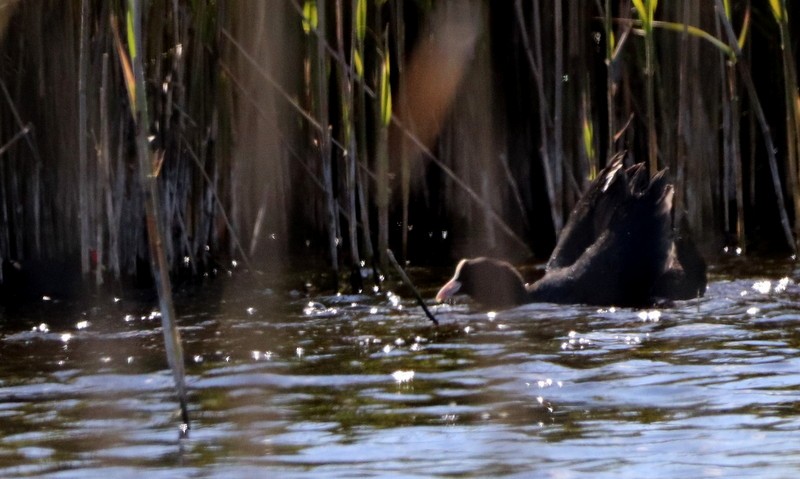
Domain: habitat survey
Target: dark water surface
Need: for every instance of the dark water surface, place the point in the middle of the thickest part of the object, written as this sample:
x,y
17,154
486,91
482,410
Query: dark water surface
x,y
283,385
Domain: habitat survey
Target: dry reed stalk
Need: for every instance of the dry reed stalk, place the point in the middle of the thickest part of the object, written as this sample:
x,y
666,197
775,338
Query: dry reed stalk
x,y
682,133
727,138
402,150
730,86
104,182
407,132
781,15
382,114
610,75
558,87
326,160
411,286
535,63
645,9
274,126
362,185
737,159
220,207
348,139
149,182
104,160
547,142
515,192
83,132
27,132
755,104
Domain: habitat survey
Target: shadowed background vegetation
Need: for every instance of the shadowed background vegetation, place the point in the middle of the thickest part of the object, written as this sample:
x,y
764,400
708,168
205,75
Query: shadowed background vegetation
x,y
319,133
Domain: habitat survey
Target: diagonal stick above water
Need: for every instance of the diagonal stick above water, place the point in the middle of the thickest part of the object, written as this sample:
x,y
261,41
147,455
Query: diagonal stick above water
x,y
408,282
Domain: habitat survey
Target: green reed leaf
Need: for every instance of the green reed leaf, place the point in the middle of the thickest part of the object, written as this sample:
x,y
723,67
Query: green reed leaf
x,y
310,18
385,91
361,19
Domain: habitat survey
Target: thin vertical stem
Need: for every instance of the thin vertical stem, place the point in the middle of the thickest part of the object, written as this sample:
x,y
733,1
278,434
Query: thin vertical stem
x,y
83,129
610,83
350,155
158,259
382,154
727,139
755,104
683,113
325,139
535,62
792,132
558,156
652,138
736,155
361,145
405,166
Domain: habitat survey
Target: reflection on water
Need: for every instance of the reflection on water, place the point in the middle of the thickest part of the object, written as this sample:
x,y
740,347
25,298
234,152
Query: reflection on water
x,y
345,386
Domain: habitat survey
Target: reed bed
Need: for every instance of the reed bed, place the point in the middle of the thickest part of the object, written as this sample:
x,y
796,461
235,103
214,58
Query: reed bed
x,y
323,133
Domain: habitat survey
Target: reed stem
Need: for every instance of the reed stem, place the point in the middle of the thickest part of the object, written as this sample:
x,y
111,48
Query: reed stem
x,y
755,104
83,129
149,181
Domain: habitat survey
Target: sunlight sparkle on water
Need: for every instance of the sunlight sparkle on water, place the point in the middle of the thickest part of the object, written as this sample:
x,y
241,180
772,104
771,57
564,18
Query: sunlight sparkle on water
x,y
752,311
394,299
574,342
762,287
314,308
258,355
491,315
82,325
653,315
401,376
42,328
66,337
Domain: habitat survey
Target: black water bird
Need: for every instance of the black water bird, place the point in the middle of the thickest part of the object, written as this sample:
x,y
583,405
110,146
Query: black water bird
x,y
618,248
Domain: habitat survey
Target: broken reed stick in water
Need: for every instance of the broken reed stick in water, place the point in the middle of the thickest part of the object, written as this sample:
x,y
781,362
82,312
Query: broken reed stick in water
x,y
408,282
152,205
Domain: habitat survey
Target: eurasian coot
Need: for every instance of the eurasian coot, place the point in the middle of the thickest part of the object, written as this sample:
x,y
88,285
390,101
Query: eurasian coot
x,y
618,248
